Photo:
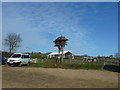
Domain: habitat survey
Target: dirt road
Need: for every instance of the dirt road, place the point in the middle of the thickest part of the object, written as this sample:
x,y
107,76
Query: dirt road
x,y
26,77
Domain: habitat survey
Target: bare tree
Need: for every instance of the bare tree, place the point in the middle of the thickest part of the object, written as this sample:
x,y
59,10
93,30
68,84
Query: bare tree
x,y
12,41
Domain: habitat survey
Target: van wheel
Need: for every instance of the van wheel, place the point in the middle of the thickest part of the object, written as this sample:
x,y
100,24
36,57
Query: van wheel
x,y
20,64
9,64
28,64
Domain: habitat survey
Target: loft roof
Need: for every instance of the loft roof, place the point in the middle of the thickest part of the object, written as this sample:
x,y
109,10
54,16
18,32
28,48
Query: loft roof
x,y
61,38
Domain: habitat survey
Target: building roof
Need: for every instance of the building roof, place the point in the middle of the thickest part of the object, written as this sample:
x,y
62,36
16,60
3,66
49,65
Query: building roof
x,y
21,53
54,53
61,38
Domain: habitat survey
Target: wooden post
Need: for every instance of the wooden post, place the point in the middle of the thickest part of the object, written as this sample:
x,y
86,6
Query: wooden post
x,y
59,57
42,60
70,61
58,52
62,53
104,62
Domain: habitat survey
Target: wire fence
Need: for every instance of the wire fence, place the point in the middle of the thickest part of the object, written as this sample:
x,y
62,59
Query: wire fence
x,y
82,61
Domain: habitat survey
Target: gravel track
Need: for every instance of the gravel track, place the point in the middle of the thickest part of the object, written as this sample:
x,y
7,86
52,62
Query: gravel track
x,y
28,77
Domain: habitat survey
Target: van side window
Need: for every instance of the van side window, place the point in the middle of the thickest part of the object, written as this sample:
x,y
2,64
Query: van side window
x,y
22,56
26,56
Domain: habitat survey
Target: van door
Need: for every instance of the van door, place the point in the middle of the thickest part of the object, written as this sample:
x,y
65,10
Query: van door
x,y
23,59
26,57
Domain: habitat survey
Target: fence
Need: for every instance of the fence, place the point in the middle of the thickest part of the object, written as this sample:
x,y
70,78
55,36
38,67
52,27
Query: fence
x,y
71,61
111,62
112,65
82,61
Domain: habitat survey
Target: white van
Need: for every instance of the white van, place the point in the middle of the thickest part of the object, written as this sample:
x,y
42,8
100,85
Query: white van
x,y
19,59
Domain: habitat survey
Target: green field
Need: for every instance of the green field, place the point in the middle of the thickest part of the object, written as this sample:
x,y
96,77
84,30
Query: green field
x,y
67,64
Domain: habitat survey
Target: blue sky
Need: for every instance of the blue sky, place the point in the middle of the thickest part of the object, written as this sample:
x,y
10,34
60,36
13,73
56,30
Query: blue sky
x,y
1,26
91,27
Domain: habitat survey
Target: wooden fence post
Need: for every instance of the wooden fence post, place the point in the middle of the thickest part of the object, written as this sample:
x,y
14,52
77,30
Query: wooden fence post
x,y
42,60
70,61
104,62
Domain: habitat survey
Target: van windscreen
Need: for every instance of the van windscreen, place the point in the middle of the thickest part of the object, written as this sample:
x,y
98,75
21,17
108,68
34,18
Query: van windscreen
x,y
16,56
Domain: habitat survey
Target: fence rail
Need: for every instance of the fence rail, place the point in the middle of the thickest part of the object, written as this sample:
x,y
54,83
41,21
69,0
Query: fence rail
x,y
77,61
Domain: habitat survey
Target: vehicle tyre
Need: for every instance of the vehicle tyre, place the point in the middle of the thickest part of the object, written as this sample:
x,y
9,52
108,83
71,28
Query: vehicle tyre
x,y
28,64
9,64
20,64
